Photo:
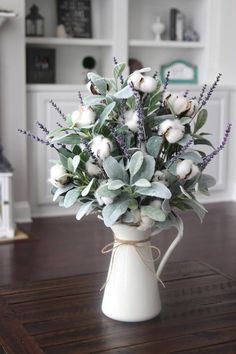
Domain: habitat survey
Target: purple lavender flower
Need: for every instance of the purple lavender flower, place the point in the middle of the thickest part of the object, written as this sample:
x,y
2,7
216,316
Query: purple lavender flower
x,y
36,138
80,98
211,90
155,75
140,114
180,152
58,110
186,93
121,76
42,127
120,141
209,157
202,93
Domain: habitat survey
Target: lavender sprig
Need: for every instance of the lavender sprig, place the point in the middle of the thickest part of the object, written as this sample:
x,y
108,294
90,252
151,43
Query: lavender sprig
x,y
186,94
155,75
202,93
121,76
42,127
211,90
140,114
120,141
81,98
166,83
36,138
94,157
209,157
58,110
180,152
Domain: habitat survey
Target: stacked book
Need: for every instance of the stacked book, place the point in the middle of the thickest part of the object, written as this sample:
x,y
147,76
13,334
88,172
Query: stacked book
x,y
176,25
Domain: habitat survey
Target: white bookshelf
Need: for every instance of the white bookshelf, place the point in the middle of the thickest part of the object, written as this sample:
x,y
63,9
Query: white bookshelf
x,y
165,44
54,41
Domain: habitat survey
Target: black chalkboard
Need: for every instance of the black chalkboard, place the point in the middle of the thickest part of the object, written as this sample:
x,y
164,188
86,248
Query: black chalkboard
x,y
75,15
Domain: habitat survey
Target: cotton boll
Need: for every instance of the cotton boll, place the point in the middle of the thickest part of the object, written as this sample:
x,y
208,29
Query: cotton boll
x,y
101,147
193,107
58,176
75,117
186,169
136,78
146,223
176,124
87,117
173,135
165,125
148,84
156,203
180,105
92,168
131,120
160,176
170,98
137,215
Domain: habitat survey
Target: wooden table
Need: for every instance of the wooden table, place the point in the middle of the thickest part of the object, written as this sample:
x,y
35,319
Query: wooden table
x,y
64,316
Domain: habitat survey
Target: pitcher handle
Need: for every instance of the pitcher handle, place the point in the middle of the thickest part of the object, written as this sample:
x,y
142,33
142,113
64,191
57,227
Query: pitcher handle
x,y
180,228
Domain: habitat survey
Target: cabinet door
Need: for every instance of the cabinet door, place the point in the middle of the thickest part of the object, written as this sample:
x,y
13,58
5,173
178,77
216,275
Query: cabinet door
x,y
43,157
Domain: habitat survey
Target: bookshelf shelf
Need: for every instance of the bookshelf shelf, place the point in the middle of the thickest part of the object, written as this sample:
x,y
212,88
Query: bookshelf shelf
x,y
49,41
165,44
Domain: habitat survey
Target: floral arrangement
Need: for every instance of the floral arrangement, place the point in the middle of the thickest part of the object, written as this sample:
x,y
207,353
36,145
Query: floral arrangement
x,y
131,152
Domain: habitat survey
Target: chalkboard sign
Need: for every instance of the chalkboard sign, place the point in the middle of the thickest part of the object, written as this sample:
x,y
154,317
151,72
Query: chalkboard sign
x,y
75,15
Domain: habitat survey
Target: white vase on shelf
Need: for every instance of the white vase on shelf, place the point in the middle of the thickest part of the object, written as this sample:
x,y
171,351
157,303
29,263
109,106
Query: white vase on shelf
x,y
158,28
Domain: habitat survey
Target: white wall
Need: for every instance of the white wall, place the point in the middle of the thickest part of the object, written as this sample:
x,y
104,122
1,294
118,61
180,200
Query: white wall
x,y
12,100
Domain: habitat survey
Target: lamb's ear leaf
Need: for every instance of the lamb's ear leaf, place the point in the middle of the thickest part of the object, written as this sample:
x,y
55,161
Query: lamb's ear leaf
x,y
201,120
126,92
84,209
113,169
135,162
154,145
147,169
154,213
112,212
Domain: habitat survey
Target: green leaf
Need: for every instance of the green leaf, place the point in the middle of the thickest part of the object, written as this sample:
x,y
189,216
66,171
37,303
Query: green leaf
x,y
147,169
112,212
154,145
93,100
104,191
70,166
115,184
126,92
86,190
185,120
183,191
153,212
166,206
206,181
157,189
67,139
142,183
99,82
133,204
71,197
184,140
76,162
202,141
108,109
201,120
118,70
61,191
112,168
84,210
55,132
192,155
135,162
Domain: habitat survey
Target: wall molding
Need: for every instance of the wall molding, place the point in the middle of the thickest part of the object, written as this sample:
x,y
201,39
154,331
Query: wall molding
x,y
22,212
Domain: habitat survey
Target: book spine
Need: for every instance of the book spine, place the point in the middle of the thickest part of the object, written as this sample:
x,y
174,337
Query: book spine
x,y
179,27
173,14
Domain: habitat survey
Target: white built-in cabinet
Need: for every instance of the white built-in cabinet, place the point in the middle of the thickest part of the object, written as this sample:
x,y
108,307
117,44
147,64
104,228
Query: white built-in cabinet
x,y
121,28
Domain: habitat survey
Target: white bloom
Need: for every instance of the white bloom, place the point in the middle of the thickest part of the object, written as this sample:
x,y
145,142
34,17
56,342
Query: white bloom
x,y
170,98
160,176
137,215
103,200
193,107
148,84
131,120
83,118
146,223
58,176
142,83
92,168
156,203
186,169
101,147
180,105
173,130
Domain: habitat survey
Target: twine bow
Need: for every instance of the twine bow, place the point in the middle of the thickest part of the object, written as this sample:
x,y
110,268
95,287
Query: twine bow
x,y
113,246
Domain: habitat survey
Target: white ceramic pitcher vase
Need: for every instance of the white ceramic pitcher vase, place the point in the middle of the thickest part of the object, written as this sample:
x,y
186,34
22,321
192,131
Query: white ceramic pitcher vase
x,y
131,291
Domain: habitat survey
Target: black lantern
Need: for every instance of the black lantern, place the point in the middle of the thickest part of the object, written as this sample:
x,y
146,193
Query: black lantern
x,y
34,23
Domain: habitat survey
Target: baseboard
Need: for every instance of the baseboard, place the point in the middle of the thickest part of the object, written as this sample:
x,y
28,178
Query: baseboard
x,y
22,212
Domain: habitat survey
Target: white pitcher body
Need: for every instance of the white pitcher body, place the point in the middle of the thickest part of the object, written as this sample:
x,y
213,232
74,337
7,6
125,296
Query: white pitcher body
x,y
131,293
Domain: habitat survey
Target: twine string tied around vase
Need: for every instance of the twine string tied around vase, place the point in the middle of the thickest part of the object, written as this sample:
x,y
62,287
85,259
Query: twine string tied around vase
x,y
113,246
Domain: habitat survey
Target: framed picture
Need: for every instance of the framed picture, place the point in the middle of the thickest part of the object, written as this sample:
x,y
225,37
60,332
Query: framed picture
x,y
76,17
40,65
181,72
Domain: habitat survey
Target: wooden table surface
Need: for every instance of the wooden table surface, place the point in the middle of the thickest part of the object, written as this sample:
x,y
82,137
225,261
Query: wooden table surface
x,y
63,316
